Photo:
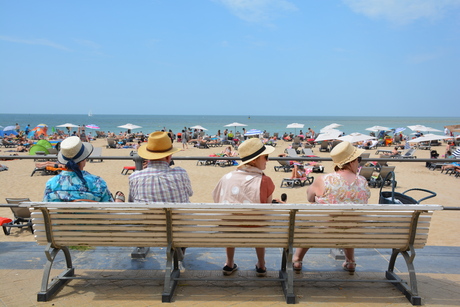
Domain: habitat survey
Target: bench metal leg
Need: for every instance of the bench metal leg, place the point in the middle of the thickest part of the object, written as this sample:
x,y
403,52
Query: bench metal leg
x,y
411,292
48,289
172,272
286,274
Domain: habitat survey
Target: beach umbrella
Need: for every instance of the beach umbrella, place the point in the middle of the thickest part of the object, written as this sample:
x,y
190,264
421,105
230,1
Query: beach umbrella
x,y
331,134
423,128
42,125
129,126
429,137
456,153
329,127
9,128
453,128
68,125
198,127
253,132
398,130
295,126
377,128
92,126
235,124
355,137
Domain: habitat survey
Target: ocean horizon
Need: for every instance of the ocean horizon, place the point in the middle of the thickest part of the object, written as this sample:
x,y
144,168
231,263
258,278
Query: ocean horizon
x,y
213,123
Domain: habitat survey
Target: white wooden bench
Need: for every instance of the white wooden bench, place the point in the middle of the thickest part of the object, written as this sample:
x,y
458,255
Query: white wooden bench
x,y
399,227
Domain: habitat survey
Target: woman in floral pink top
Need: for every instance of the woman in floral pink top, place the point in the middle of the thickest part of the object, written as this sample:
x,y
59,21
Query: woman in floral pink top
x,y
343,186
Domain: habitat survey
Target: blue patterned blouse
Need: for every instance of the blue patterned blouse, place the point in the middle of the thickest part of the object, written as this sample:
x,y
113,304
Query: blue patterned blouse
x,y
67,187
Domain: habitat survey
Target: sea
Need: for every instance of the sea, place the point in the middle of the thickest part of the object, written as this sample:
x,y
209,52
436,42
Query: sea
x,y
213,123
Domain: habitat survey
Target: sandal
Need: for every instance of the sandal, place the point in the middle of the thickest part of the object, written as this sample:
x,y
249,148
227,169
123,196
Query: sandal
x,y
119,195
227,271
298,268
349,266
261,272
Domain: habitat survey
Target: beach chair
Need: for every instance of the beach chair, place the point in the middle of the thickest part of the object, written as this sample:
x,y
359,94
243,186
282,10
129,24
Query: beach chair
x,y
409,154
96,155
324,146
370,174
292,182
21,215
364,155
384,171
308,152
284,165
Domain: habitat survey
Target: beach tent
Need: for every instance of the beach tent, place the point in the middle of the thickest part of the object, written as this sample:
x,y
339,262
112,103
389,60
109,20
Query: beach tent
x,y
37,148
41,129
44,143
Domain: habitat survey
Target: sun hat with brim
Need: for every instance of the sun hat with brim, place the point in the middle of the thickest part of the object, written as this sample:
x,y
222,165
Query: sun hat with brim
x,y
73,149
251,149
159,145
344,153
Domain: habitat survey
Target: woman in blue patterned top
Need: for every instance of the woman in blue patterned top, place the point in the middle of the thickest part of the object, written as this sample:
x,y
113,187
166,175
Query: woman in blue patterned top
x,y
76,183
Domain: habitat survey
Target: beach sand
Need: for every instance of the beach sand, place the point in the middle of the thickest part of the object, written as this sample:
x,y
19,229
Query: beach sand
x,y
17,182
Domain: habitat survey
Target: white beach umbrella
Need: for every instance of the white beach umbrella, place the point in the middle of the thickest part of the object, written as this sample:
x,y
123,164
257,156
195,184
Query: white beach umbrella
x,y
235,124
329,127
198,127
423,128
69,125
429,137
356,137
331,134
295,126
378,128
130,126
8,128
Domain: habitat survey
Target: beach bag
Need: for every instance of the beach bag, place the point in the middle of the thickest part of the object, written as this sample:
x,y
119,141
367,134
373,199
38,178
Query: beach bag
x,y
392,197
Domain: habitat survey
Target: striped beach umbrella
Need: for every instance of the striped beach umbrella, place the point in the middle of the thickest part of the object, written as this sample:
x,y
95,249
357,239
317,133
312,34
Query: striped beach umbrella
x,y
456,153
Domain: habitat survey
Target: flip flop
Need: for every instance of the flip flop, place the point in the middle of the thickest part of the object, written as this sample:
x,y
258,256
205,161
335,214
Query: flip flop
x,y
349,266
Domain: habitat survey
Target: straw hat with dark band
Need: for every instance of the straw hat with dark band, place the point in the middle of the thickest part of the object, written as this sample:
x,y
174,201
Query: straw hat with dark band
x,y
344,153
250,149
159,145
72,148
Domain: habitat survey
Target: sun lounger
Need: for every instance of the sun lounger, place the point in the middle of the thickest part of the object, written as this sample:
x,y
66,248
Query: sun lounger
x,y
96,155
21,215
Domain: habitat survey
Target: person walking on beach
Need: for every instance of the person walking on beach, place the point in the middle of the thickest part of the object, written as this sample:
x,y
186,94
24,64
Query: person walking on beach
x,y
343,186
158,182
76,183
185,139
247,184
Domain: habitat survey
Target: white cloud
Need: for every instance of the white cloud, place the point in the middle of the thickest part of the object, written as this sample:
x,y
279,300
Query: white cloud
x,y
258,11
403,11
36,41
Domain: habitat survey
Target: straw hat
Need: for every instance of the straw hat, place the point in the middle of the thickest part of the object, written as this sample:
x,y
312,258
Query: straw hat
x,y
344,152
159,145
251,149
72,148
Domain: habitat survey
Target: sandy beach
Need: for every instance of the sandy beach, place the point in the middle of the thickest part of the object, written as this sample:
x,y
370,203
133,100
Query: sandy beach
x,y
17,182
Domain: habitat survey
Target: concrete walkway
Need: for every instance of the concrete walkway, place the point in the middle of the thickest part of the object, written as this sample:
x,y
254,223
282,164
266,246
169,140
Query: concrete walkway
x,y
21,263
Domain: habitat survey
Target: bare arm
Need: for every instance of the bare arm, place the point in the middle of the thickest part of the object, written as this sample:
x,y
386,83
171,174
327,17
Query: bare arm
x,y
316,189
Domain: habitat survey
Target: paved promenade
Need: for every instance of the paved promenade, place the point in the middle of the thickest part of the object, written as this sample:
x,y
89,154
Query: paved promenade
x,y
21,263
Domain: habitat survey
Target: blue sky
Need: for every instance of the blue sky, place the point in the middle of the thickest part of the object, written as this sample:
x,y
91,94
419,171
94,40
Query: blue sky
x,y
231,57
